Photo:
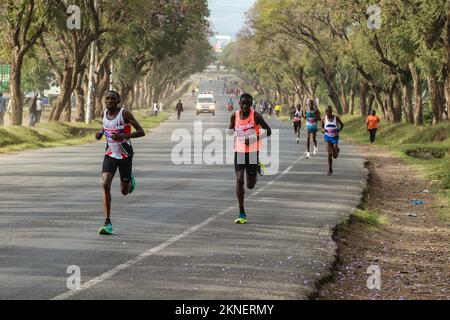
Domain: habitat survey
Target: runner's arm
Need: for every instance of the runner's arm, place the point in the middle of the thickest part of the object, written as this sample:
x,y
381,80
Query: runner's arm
x,y
232,121
129,118
341,124
260,121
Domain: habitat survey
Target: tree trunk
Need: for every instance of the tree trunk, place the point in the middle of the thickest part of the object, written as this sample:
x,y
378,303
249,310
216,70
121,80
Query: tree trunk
x,y
64,96
332,93
352,99
80,93
407,102
371,101
417,92
343,96
446,69
364,91
433,88
16,92
80,103
398,102
390,101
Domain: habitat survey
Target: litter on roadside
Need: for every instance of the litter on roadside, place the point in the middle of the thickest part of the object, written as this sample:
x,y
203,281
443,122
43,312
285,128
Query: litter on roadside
x,y
417,202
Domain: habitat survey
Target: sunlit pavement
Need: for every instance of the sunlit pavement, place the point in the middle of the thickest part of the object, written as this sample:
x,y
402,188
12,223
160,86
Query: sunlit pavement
x,y
180,216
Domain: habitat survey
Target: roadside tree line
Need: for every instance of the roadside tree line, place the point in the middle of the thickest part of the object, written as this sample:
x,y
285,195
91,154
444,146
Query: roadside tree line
x,y
395,56
142,48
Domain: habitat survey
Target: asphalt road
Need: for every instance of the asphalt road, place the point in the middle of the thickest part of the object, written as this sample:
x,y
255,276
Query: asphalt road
x,y
175,237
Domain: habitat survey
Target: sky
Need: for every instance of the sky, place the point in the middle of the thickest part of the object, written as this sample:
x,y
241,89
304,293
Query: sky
x,y
228,16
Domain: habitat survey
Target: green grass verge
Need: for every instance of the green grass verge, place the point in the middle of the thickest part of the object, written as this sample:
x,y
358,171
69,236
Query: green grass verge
x,y
427,148
46,135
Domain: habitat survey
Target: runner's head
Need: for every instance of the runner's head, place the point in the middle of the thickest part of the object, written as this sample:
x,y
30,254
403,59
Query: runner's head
x,y
373,113
246,102
112,99
329,110
311,104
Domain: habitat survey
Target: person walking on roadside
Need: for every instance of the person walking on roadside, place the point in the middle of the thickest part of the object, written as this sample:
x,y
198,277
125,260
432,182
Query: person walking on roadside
x,y
331,127
119,152
2,109
39,109
179,109
247,124
372,122
155,108
33,111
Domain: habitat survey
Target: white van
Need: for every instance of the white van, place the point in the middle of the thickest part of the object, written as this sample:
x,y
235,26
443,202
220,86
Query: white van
x,y
206,104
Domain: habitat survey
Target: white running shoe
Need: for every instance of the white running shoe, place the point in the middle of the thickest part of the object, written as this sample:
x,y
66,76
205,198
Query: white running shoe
x,y
308,155
298,140
316,150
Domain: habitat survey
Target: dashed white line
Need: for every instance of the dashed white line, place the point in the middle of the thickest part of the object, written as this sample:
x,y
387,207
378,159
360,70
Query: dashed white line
x,y
108,274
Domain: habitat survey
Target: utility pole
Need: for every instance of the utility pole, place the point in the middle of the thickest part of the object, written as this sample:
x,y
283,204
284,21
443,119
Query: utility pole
x,y
91,89
111,75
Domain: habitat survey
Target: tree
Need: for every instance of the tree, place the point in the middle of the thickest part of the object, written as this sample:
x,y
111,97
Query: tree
x,y
24,21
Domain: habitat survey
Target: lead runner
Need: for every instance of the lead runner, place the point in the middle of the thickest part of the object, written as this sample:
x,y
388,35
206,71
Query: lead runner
x,y
246,124
117,124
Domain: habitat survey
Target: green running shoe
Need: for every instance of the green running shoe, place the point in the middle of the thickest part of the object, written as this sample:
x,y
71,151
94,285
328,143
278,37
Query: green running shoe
x,y
107,230
261,168
242,219
133,183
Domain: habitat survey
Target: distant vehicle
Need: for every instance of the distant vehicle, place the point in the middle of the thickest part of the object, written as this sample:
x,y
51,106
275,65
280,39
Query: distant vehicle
x,y
206,104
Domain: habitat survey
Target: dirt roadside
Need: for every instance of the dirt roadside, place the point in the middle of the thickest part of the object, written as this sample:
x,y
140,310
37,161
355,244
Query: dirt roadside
x,y
412,248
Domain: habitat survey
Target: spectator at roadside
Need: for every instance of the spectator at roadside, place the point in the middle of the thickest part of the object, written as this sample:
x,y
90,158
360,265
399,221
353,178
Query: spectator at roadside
x,y
179,109
39,109
2,109
33,111
155,108
372,125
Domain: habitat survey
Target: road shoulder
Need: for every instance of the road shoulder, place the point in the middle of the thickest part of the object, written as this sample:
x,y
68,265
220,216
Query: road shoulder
x,y
405,239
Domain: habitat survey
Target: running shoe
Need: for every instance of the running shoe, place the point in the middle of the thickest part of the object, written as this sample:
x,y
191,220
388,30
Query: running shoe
x,y
316,150
298,140
107,230
242,219
308,155
133,183
261,168
330,172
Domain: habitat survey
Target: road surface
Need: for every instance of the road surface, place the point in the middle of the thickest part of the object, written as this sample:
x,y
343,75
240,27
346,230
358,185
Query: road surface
x,y
175,237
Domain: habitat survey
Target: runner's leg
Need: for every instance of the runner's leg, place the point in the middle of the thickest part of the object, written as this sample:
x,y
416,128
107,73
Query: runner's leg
x,y
308,141
335,150
240,191
330,157
125,169
107,181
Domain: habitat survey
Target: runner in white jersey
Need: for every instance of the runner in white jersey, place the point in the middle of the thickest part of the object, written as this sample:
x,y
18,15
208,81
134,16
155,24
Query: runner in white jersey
x,y
117,124
297,121
331,127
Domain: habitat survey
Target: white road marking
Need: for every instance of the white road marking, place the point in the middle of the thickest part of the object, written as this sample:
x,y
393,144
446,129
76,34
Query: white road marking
x,y
108,274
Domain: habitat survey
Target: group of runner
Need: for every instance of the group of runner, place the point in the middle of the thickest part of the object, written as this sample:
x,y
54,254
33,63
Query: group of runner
x,y
245,124
331,126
